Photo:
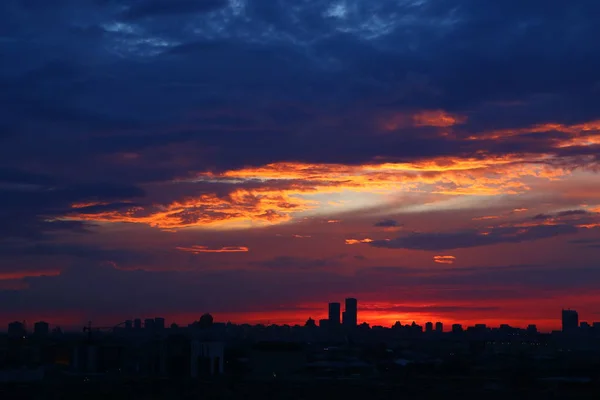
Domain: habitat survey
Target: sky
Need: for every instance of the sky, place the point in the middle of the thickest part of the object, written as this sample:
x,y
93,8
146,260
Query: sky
x,y
436,159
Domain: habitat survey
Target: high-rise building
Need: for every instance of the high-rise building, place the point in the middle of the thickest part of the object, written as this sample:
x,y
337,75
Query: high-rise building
x,y
457,328
350,313
41,328
439,327
137,323
159,323
570,320
128,324
16,329
429,327
334,314
149,323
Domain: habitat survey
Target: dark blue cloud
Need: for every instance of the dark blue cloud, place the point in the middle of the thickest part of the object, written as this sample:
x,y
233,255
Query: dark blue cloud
x,y
474,238
387,223
161,8
191,86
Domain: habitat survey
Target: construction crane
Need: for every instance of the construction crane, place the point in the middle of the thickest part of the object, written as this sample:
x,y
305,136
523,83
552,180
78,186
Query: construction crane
x,y
89,329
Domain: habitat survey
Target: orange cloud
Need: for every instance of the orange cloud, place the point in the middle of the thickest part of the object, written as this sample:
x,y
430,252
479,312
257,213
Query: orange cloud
x,y
437,118
585,134
288,186
205,249
520,210
357,241
260,206
88,204
589,226
486,217
281,191
444,259
433,118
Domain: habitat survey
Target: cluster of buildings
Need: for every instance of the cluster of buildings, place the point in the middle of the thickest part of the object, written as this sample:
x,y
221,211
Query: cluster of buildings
x,y
264,352
19,329
336,318
571,324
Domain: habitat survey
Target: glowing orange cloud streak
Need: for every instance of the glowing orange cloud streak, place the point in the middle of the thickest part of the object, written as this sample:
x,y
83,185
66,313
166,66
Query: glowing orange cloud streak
x,y
205,249
89,204
444,259
574,130
486,217
590,225
357,241
287,185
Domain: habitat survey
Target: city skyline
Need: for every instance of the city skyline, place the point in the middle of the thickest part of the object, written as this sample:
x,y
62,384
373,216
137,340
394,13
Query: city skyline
x,y
438,160
569,322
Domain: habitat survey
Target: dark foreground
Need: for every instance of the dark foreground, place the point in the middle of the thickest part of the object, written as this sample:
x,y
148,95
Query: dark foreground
x,y
310,390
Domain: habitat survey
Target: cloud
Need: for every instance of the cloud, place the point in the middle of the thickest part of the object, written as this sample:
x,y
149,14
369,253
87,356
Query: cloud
x,y
444,259
123,116
474,238
158,8
486,217
204,249
387,223
357,241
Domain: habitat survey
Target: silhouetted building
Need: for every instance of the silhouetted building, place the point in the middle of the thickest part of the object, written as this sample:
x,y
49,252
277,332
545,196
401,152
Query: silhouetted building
x,y
128,324
570,320
149,323
439,327
429,327
334,314
310,323
16,329
41,328
457,328
206,321
532,329
323,323
137,323
159,323
351,313
584,326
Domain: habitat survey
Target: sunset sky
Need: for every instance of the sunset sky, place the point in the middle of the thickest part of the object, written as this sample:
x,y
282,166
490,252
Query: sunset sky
x,y
439,160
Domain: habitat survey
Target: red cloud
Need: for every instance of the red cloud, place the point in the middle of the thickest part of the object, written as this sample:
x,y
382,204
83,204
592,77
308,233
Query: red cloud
x,y
205,249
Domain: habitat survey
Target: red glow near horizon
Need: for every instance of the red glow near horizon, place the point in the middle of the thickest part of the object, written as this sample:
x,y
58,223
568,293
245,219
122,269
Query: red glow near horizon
x,y
78,320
